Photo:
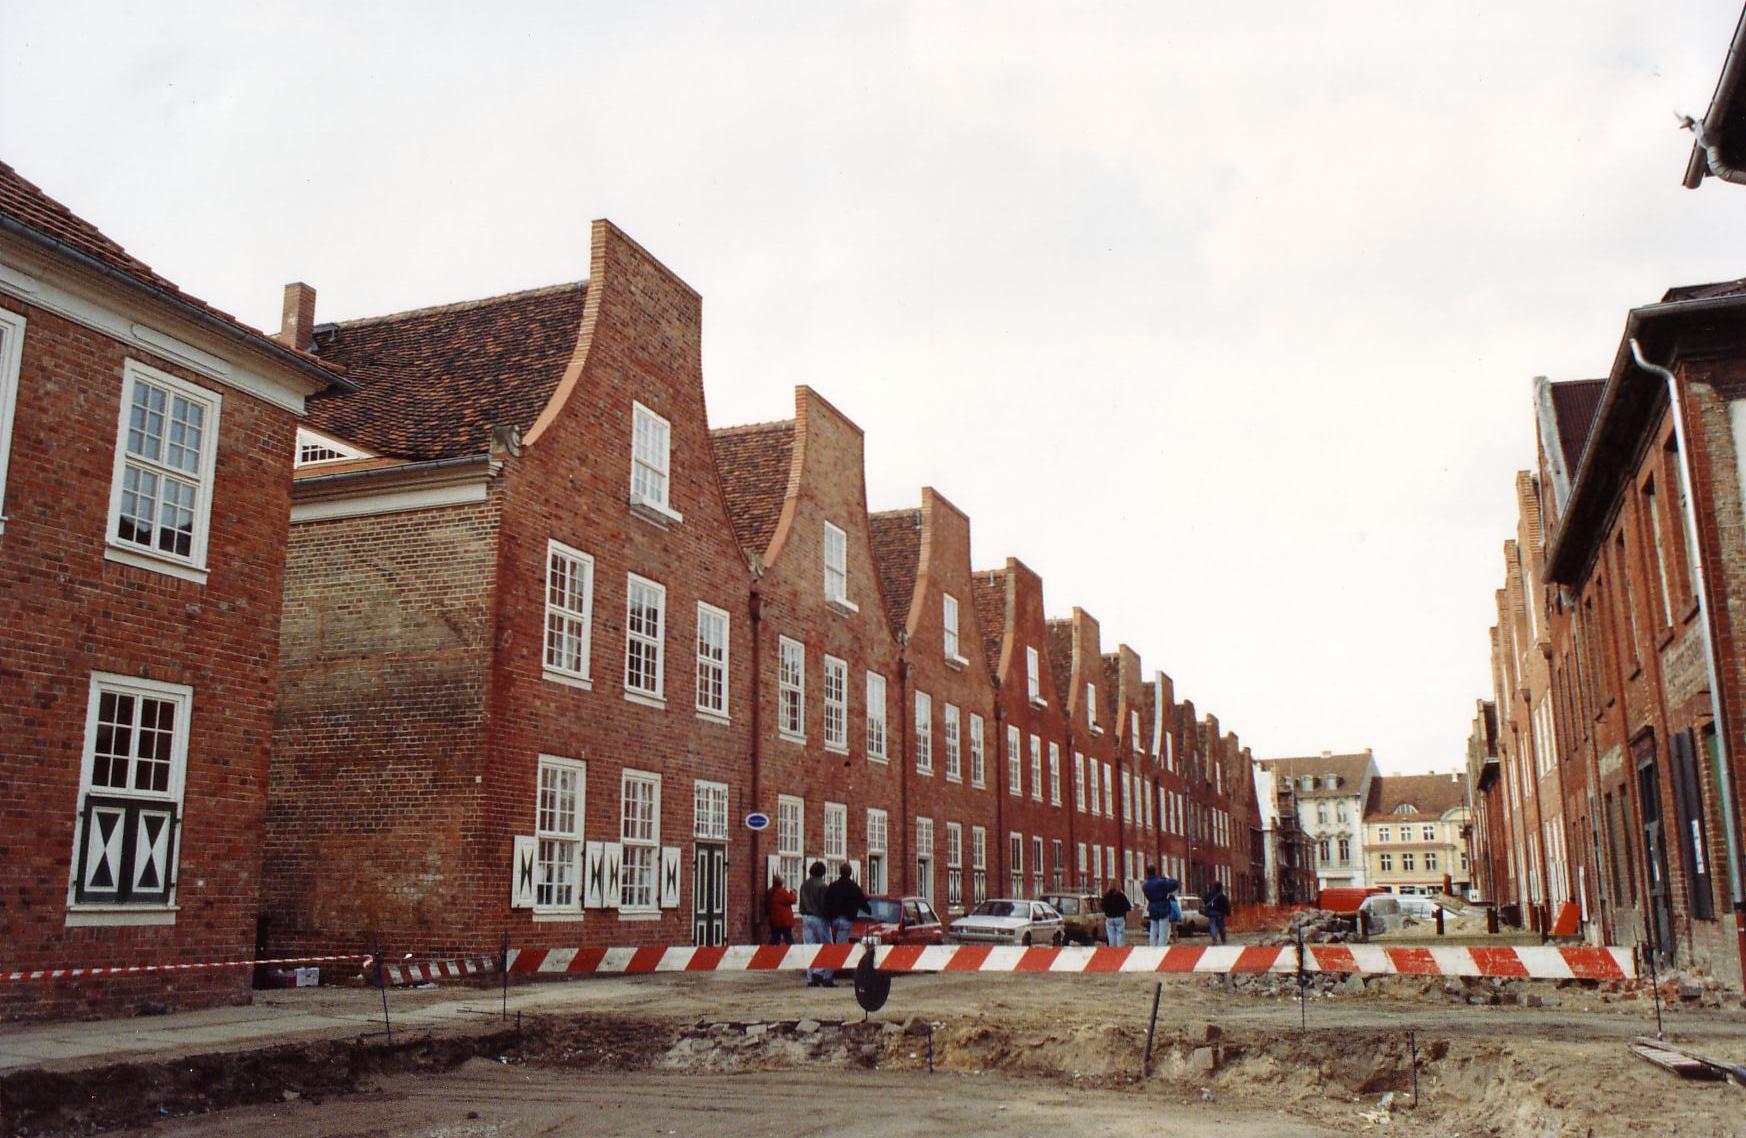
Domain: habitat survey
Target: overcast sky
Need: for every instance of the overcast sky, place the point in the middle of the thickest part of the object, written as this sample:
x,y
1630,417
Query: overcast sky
x,y
1223,317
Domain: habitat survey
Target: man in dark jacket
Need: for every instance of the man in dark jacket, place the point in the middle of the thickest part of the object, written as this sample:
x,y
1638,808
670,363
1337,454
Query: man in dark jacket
x,y
844,901
1158,891
1217,907
1115,915
815,921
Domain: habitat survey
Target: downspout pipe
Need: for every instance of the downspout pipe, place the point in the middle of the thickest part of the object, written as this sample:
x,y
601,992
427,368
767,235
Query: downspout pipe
x,y
755,611
1718,168
1724,775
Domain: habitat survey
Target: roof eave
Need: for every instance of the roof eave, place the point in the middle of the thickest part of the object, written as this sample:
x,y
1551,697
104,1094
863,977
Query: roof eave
x,y
1728,84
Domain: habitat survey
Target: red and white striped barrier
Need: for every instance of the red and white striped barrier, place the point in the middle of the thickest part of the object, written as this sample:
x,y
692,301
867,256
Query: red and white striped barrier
x,y
1550,963
141,969
427,971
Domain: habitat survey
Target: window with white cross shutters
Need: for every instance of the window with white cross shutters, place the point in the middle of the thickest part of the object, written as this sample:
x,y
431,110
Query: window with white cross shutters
x,y
136,756
978,865
558,830
1015,867
954,865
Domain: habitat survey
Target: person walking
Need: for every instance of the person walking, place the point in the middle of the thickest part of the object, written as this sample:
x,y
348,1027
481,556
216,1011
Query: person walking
x,y
779,911
1159,893
815,921
1218,907
844,901
1115,915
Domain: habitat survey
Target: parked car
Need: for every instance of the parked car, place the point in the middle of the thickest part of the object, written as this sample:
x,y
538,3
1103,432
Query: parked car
x,y
1081,916
1423,908
1010,920
1384,912
899,920
1194,921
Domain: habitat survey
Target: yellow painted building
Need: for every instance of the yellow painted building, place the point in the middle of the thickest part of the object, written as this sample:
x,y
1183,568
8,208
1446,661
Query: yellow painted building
x,y
1412,834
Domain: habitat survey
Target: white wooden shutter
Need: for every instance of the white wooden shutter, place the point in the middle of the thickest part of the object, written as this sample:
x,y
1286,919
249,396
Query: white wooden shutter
x,y
670,856
855,870
522,865
613,886
594,875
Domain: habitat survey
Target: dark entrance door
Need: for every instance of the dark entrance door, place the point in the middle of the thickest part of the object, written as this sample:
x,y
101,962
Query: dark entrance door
x,y
1655,850
709,894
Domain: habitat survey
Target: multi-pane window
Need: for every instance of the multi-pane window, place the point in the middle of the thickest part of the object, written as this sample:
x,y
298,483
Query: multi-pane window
x,y
1054,773
836,564
712,660
1015,863
569,599
1091,708
11,352
1345,850
710,811
1108,794
162,495
836,833
1058,859
1036,768
651,450
1014,761
1096,791
1036,866
1406,862
875,716
924,732
1383,832
1430,863
1387,863
1084,881
136,755
953,741
924,857
836,704
978,756
1429,832
791,839
877,841
1134,728
954,865
1079,782
640,833
644,627
791,689
950,621
978,865
558,832
1033,676
1652,507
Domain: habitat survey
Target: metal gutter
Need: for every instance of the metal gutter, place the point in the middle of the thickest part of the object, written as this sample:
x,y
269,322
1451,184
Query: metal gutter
x,y
1733,69
414,468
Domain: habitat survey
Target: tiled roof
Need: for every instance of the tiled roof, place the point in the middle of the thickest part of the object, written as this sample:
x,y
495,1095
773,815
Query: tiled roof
x,y
1148,711
433,382
1574,404
1429,794
1112,680
1060,653
1715,291
754,461
896,538
25,203
988,594
1348,768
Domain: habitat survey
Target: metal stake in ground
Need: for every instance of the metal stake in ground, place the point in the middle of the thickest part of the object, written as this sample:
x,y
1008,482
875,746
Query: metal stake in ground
x,y
1151,1030
930,1048
1413,1058
1302,1007
503,970
382,985
1655,985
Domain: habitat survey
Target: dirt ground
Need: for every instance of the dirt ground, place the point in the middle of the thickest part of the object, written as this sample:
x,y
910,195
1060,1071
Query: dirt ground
x,y
695,1053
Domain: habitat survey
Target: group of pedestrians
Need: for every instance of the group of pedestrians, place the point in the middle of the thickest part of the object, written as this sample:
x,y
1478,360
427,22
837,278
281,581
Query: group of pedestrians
x,y
827,913
1163,910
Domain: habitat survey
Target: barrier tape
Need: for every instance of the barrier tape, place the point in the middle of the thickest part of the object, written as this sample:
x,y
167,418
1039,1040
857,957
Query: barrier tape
x,y
398,975
140,969
1503,962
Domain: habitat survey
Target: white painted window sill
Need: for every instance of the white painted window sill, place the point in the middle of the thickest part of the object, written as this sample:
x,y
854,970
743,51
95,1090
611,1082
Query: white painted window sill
x,y
118,916
639,914
557,917
880,759
140,559
957,778
837,748
1039,702
712,717
654,512
655,702
925,772
786,737
567,679
842,606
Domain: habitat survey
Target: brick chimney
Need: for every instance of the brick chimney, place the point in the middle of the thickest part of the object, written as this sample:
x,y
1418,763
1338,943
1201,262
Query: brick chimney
x,y
297,321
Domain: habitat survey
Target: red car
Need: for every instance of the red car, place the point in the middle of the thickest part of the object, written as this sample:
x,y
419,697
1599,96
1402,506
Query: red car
x,y
899,920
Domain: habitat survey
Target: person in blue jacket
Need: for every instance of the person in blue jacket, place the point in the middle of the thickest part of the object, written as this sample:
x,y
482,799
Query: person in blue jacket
x,y
1158,892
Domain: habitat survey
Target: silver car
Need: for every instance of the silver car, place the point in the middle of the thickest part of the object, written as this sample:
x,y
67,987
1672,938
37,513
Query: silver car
x,y
1009,920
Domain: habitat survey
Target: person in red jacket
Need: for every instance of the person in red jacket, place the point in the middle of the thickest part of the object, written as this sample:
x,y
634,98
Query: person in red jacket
x,y
779,911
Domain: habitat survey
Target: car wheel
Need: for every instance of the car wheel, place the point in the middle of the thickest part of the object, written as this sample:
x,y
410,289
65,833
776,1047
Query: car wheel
x,y
1025,940
1059,939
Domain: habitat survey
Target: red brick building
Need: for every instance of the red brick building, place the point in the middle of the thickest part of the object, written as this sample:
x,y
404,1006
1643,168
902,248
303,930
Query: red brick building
x,y
145,443
1076,655
519,668
841,743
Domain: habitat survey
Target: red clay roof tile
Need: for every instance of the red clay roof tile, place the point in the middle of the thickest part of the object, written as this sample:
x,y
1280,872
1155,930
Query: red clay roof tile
x,y
896,538
754,463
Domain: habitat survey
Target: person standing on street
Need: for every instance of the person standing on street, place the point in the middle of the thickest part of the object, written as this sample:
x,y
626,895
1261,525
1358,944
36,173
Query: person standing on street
x,y
815,921
844,901
1218,907
1115,915
779,911
1158,892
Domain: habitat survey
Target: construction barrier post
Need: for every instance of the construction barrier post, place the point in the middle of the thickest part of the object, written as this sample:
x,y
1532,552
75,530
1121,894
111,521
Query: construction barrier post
x,y
503,970
1302,1007
1151,1030
1439,920
1413,1058
382,984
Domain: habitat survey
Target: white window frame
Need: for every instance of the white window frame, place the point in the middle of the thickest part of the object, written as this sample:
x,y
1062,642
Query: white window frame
x,y
191,566
120,911
713,661
924,858
1096,791
1037,867
836,834
836,568
1034,677
1054,773
978,865
576,622
1108,796
654,643
949,636
924,733
1015,856
954,865
1015,761
662,504
791,689
878,831
876,718
836,705
639,845
1036,754
11,358
978,753
1091,709
954,743
709,810
1079,781
547,871
791,854
1134,730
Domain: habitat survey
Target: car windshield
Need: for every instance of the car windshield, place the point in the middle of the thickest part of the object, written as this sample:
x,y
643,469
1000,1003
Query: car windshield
x,y
1002,909
884,909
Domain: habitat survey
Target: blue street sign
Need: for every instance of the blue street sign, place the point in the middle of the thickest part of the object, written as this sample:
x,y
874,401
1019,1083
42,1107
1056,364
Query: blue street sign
x,y
757,821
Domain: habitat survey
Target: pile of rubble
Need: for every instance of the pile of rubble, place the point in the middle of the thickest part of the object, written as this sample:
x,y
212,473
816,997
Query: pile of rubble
x,y
1475,990
1317,926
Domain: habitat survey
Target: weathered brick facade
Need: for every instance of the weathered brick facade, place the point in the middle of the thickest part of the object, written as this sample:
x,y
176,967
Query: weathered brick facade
x,y
121,661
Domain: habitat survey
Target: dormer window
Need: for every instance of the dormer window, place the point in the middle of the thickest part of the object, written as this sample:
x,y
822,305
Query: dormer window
x,y
949,619
836,568
1034,677
651,457
316,449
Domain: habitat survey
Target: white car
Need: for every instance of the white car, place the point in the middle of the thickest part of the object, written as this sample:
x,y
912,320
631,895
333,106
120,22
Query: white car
x,y
1009,920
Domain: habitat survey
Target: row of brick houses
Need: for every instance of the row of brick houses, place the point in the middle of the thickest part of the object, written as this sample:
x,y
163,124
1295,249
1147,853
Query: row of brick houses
x,y
453,624
1606,765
